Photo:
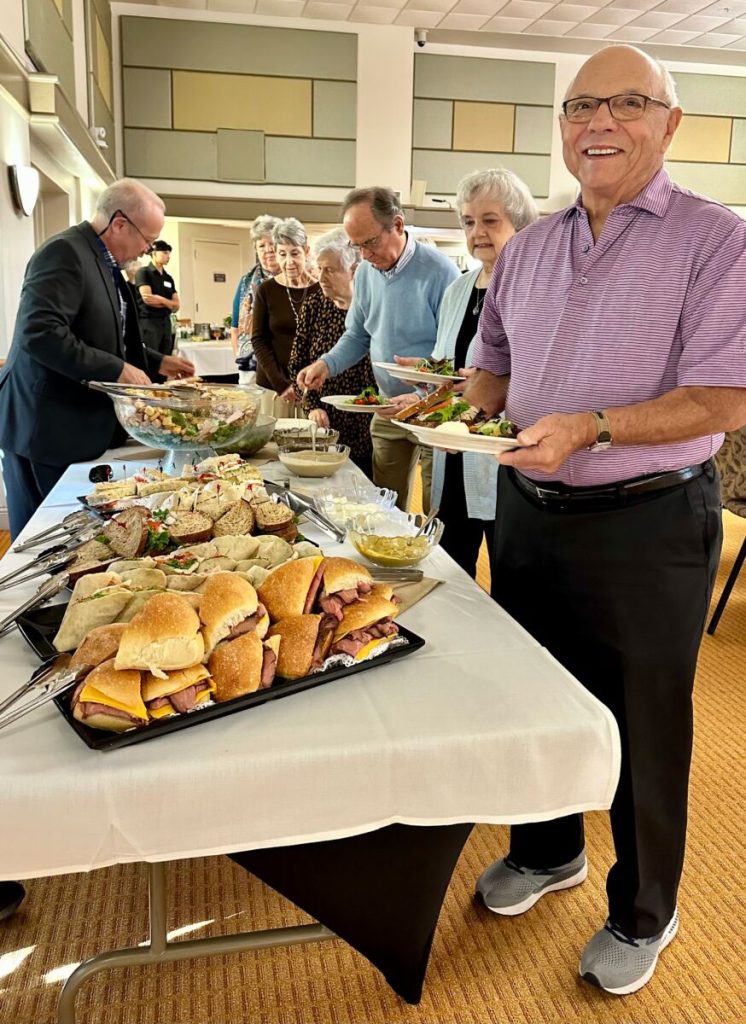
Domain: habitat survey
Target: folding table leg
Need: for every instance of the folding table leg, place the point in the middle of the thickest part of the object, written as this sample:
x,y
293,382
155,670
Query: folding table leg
x,y
160,950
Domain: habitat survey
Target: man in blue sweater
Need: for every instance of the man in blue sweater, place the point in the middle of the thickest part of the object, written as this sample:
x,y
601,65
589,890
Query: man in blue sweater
x,y
399,285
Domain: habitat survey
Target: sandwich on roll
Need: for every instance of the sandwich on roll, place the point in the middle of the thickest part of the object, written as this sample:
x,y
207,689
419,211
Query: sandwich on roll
x,y
308,585
101,644
163,637
366,625
180,691
243,665
303,644
229,607
284,591
110,699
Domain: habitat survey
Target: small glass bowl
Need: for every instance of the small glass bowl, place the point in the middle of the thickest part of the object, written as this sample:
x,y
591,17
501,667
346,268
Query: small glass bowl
x,y
342,504
388,539
324,461
252,439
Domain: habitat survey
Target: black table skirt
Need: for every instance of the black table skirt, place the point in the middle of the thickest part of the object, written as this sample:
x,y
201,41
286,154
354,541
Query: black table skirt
x,y
381,892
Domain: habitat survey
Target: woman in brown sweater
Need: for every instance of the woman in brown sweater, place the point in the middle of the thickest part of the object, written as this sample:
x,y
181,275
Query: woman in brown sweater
x,y
278,306
321,324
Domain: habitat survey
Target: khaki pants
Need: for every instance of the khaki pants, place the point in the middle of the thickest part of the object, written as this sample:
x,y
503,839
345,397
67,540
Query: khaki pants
x,y
395,454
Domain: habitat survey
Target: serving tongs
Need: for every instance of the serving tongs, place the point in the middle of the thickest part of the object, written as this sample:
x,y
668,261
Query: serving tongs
x,y
70,525
301,507
48,681
53,559
167,394
394,575
48,589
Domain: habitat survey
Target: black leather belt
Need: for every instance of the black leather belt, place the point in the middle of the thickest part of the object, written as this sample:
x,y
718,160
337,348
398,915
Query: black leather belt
x,y
557,495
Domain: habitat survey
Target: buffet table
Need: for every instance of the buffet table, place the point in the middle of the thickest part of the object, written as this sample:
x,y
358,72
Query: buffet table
x,y
482,725
210,358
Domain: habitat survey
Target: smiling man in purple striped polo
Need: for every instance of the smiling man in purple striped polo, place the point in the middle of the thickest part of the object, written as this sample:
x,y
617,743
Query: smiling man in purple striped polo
x,y
614,335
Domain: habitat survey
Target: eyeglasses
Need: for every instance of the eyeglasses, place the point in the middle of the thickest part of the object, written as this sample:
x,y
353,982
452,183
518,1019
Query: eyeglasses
x,y
121,213
626,106
370,244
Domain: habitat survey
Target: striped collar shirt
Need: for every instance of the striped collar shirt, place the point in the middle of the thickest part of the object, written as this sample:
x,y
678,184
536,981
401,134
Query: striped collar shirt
x,y
406,255
657,302
116,275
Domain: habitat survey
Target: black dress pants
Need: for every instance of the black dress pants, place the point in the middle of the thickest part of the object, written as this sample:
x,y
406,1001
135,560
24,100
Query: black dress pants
x,y
27,484
156,334
462,536
619,596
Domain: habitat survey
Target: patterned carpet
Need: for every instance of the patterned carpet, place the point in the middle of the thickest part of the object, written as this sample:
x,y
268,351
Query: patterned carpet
x,y
483,969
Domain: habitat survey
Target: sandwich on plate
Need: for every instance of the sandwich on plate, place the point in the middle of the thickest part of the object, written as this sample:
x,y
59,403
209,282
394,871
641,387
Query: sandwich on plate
x,y
110,699
243,665
180,691
446,410
366,625
229,607
163,637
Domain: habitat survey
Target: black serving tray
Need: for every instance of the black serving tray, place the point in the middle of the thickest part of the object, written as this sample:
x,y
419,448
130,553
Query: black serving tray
x,y
38,628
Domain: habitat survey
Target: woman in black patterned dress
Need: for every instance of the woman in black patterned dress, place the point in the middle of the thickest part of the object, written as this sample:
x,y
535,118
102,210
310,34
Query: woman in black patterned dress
x,y
321,323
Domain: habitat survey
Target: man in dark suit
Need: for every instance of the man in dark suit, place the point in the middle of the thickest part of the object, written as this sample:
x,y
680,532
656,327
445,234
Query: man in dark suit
x,y
77,321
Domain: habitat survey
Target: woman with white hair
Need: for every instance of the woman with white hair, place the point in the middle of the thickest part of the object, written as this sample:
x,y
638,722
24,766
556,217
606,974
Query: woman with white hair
x,y
492,206
321,325
264,268
278,307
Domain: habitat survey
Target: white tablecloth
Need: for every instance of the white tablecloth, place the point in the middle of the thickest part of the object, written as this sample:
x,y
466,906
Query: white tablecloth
x,y
209,357
481,725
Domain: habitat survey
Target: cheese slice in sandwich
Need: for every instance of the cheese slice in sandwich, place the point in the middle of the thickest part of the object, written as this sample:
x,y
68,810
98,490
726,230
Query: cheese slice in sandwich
x,y
179,692
110,699
228,608
163,637
284,591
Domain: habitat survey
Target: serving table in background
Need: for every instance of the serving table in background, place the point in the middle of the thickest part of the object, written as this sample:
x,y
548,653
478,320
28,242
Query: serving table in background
x,y
483,725
210,358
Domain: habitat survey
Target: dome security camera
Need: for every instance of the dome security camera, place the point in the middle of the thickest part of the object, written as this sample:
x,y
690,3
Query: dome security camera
x,y
420,36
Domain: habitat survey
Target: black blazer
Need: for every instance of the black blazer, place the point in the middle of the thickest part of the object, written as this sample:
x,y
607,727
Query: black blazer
x,y
68,330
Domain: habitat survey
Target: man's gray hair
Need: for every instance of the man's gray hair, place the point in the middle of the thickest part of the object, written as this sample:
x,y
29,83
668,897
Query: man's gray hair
x,y
336,242
383,203
129,196
670,95
263,227
505,188
290,232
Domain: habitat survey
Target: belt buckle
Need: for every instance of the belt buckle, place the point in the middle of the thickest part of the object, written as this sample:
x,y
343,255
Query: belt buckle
x,y
543,494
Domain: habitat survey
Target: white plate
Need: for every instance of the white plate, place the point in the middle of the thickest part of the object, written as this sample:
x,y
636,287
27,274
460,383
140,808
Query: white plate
x,y
462,442
344,404
409,373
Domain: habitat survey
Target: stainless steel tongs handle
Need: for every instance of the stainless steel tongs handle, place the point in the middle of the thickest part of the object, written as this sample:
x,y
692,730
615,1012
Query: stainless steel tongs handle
x,y
51,564
44,685
47,590
69,525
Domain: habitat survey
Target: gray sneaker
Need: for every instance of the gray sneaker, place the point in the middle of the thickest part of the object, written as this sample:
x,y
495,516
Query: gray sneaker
x,y
619,964
507,888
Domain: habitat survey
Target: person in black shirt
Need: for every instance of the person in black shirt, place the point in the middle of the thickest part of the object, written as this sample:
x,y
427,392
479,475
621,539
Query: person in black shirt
x,y
158,299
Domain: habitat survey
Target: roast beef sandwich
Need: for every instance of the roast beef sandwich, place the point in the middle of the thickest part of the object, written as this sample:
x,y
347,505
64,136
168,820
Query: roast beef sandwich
x,y
243,665
302,644
99,645
180,691
110,699
366,625
228,608
163,637
318,584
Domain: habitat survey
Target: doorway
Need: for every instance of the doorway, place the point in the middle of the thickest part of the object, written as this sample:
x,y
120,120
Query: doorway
x,y
217,268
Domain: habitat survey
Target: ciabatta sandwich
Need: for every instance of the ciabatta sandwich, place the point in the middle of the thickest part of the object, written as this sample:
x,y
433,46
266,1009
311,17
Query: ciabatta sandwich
x,y
302,644
229,607
285,590
163,637
179,692
110,699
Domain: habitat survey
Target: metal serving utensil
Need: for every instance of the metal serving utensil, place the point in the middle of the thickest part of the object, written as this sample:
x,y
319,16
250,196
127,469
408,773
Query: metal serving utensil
x,y
72,522
48,589
426,522
51,564
393,575
48,682
300,506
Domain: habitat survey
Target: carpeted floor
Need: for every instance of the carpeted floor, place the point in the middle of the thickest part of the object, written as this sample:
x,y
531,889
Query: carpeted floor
x,y
483,970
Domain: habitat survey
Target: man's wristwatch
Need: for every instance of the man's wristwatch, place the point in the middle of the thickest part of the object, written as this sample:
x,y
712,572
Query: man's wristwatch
x,y
603,432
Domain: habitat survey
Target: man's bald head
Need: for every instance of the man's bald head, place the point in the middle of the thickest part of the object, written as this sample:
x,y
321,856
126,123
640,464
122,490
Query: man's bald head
x,y
131,197
626,62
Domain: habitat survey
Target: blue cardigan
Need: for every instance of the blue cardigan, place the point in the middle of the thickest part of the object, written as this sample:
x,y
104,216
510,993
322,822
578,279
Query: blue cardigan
x,y
480,471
